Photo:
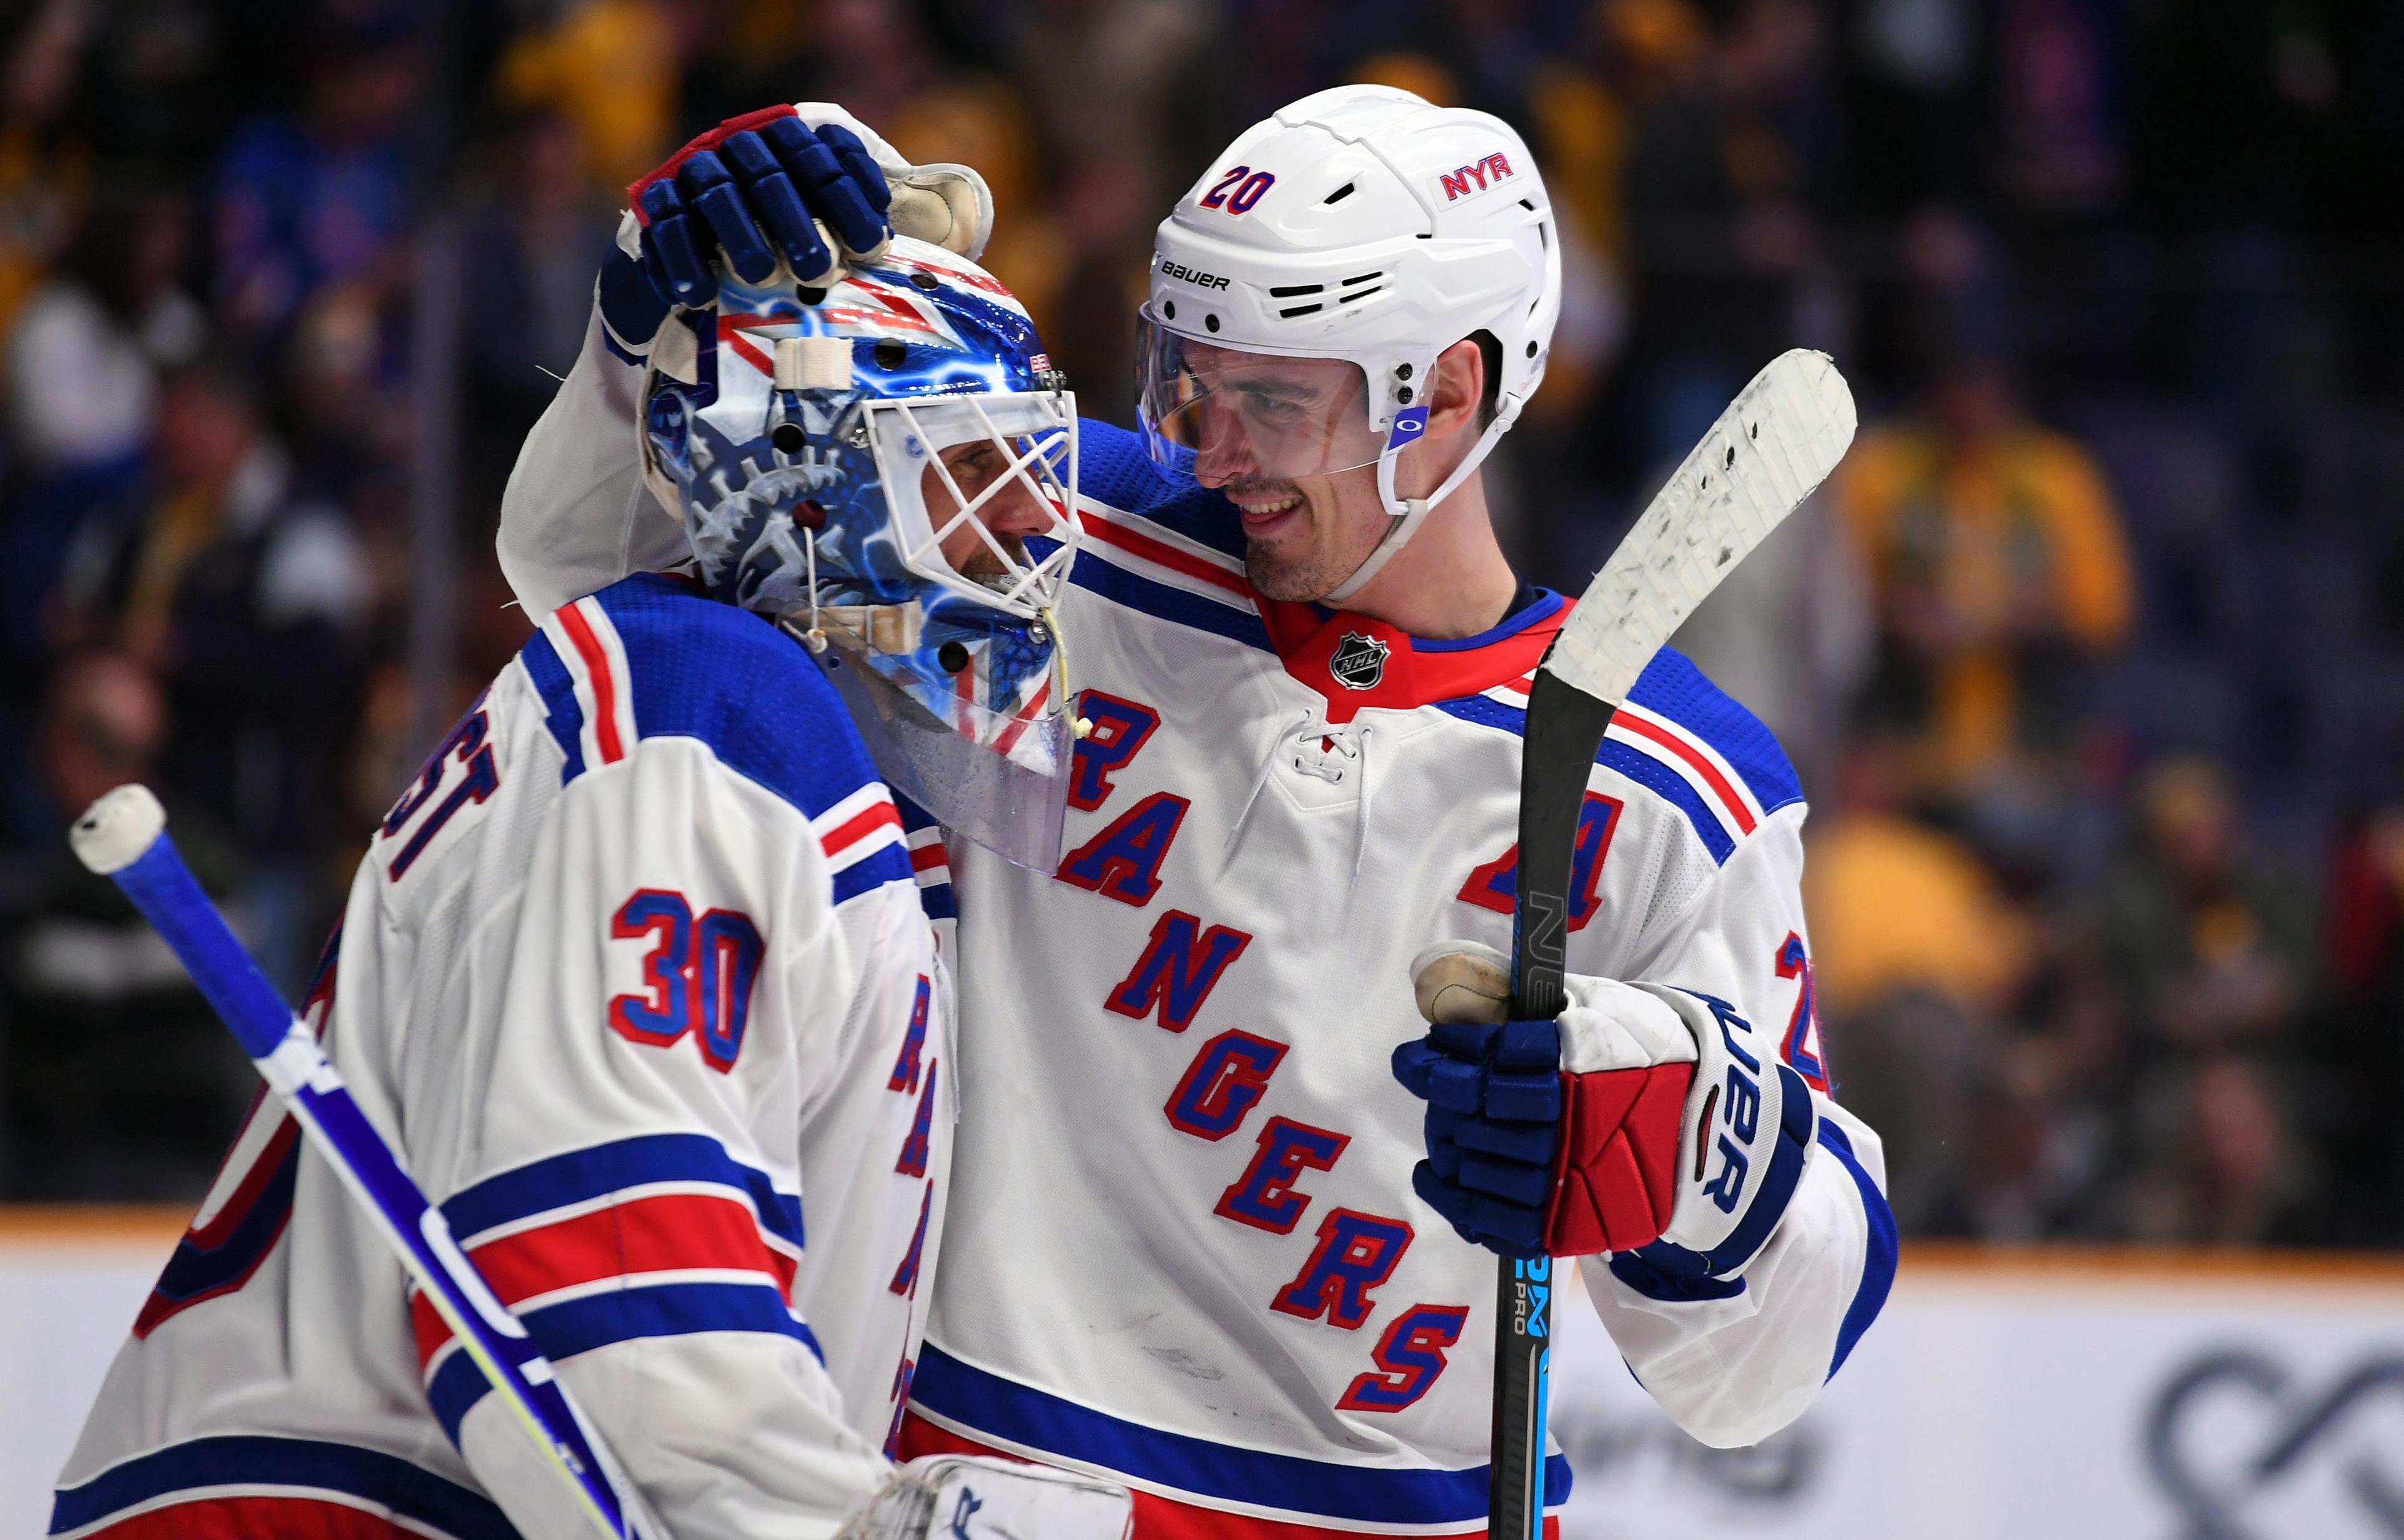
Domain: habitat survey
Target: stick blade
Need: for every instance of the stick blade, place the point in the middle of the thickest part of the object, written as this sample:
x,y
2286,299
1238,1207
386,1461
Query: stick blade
x,y
1773,446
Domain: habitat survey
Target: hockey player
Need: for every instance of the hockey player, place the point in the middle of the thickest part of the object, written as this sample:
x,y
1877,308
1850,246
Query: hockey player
x,y
638,974
1202,1240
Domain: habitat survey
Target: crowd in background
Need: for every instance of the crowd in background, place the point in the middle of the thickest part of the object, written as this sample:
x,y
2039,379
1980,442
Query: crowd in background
x,y
2092,656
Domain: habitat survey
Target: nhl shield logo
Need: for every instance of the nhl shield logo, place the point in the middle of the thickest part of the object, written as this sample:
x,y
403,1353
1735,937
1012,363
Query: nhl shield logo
x,y
1359,662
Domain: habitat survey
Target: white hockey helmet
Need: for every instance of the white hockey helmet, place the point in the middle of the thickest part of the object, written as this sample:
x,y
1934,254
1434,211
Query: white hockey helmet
x,y
1366,227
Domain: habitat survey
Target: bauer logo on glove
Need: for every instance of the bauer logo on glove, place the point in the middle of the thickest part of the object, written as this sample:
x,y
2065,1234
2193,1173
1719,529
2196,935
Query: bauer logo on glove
x,y
1644,1117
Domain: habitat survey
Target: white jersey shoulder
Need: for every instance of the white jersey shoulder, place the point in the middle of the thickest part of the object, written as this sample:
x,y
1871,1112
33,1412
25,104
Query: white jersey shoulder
x,y
636,973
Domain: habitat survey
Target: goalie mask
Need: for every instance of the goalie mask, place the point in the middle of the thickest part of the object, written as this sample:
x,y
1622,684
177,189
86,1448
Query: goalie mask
x,y
888,468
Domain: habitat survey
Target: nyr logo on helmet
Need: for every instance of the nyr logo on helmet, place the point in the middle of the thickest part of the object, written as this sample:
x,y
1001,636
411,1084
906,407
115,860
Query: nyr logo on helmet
x,y
1359,662
1468,181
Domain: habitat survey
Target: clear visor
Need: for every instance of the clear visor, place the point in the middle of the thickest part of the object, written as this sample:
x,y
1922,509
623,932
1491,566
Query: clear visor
x,y
999,777
1237,416
983,491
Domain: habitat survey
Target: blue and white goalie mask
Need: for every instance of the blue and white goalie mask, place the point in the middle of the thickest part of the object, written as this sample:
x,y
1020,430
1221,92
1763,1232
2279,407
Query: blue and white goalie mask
x,y
887,467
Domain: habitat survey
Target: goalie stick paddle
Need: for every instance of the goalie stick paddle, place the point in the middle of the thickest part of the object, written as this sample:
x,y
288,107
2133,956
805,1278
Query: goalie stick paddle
x,y
1776,443
124,837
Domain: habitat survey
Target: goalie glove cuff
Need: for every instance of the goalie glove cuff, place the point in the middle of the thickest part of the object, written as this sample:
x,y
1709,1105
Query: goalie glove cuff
x,y
979,1497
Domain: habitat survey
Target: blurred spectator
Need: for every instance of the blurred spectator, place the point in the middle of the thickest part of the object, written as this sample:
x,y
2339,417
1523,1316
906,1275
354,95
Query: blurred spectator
x,y
2226,1170
320,196
1914,89
2360,1051
609,68
248,605
44,170
529,253
2210,948
983,120
1108,230
1896,903
81,368
1999,566
1099,75
118,1081
83,355
1915,953
2059,123
1722,201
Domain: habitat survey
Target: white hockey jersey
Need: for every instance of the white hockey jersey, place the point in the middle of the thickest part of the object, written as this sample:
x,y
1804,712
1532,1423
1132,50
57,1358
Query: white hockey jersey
x,y
636,976
1184,1249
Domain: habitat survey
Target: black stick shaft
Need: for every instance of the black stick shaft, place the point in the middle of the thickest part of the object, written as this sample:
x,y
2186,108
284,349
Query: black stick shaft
x,y
1564,732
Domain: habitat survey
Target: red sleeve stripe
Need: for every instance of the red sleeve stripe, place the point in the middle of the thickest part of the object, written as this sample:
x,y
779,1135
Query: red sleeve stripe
x,y
596,668
669,1232
928,857
1161,554
839,842
1630,725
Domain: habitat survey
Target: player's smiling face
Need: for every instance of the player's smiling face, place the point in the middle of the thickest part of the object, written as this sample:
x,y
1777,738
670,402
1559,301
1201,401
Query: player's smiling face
x,y
1304,533
1303,538
1284,439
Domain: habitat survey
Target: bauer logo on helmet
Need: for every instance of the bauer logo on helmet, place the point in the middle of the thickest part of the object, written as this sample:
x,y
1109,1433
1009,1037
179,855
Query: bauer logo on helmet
x,y
1200,280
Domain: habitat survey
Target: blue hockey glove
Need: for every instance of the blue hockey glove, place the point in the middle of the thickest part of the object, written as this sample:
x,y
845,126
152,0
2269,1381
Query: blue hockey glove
x,y
751,190
1649,1122
1493,1125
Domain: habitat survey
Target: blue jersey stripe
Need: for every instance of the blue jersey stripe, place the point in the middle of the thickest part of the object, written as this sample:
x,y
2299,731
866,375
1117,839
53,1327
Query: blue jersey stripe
x,y
1547,603
890,864
664,1309
936,900
1625,759
562,714
1094,571
1878,1266
982,1403
581,1175
1115,469
457,1385
1673,687
623,1315
408,1490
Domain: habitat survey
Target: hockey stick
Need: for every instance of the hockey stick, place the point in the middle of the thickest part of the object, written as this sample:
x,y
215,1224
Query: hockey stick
x,y
1778,439
124,837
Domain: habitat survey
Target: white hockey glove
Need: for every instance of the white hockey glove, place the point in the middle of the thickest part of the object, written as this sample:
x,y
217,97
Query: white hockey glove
x,y
1643,1119
975,1497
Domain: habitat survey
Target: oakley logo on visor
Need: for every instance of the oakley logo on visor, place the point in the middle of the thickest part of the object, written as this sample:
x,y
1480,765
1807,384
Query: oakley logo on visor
x,y
1410,424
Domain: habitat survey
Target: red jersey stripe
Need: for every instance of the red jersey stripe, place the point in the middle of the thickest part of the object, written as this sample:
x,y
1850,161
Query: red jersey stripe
x,y
859,827
925,856
605,689
666,1233
1163,554
255,1518
1684,750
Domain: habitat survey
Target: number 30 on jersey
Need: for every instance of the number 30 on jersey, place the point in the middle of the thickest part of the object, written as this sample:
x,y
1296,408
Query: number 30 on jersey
x,y
698,975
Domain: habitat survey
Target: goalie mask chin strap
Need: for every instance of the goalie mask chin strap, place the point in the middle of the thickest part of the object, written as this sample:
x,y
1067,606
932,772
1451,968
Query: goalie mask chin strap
x,y
1408,513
